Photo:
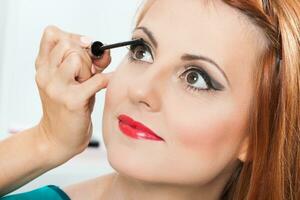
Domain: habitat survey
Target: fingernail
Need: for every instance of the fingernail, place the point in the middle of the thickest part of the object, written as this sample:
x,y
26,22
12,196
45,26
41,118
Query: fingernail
x,y
86,41
93,69
99,68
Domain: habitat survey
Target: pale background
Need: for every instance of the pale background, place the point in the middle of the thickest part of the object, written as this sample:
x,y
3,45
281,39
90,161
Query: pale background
x,y
21,26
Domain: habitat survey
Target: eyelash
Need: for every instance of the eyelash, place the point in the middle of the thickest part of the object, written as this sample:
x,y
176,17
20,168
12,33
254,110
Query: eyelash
x,y
204,75
131,49
199,70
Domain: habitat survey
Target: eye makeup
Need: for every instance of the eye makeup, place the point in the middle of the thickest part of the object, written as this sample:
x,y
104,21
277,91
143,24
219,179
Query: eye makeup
x,y
137,53
138,50
196,71
185,57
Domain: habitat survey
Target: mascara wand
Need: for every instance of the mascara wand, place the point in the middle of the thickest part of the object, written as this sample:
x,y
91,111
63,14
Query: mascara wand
x,y
97,48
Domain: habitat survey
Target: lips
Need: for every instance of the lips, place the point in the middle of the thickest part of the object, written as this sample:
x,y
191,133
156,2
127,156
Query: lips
x,y
136,129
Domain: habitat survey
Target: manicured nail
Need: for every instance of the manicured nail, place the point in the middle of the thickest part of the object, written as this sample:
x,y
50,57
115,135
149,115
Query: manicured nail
x,y
86,41
93,69
98,68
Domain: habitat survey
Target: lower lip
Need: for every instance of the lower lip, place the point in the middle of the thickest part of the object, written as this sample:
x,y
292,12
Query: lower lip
x,y
136,134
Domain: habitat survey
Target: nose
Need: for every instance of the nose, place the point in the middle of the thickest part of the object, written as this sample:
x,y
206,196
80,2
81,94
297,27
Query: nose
x,y
146,90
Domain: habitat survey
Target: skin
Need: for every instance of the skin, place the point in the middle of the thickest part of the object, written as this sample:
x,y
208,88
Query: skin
x,y
205,133
67,88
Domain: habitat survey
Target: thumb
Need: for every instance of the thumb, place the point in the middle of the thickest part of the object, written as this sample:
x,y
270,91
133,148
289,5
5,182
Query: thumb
x,y
94,84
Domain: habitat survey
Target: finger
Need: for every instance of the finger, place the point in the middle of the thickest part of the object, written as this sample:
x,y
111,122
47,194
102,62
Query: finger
x,y
95,84
65,48
74,68
85,41
103,62
50,38
93,69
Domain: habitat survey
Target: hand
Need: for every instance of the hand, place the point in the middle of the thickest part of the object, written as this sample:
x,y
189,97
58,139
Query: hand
x,y
67,86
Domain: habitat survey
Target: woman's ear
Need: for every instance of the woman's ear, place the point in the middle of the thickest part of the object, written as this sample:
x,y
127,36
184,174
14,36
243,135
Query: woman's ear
x,y
243,149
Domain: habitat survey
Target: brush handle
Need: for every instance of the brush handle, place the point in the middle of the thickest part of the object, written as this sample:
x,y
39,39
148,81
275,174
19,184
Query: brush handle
x,y
97,47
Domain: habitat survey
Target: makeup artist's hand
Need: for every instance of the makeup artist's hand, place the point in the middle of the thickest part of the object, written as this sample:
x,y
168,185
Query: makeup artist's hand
x,y
67,85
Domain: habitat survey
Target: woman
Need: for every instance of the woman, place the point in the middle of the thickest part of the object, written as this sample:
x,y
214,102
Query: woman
x,y
208,108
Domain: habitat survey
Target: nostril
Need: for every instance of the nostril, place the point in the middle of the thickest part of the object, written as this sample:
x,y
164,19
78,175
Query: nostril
x,y
143,102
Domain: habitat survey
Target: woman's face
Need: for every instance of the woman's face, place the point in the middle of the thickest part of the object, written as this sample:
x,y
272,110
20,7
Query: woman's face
x,y
193,87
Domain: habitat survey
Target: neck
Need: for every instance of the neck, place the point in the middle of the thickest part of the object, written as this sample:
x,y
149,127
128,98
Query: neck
x,y
127,188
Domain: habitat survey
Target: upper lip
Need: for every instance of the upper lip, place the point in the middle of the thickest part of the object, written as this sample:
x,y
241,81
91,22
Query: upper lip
x,y
137,125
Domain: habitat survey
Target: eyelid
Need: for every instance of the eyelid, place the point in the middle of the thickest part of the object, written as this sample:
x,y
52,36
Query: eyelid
x,y
197,68
152,51
216,84
132,50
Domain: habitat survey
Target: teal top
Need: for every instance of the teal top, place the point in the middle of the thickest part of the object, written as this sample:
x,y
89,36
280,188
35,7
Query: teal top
x,y
50,192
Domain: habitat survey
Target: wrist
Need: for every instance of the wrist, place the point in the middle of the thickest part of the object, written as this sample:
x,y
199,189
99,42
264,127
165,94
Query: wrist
x,y
50,152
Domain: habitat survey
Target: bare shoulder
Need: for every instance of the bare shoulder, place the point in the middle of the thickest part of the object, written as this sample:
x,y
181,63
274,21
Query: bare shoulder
x,y
90,189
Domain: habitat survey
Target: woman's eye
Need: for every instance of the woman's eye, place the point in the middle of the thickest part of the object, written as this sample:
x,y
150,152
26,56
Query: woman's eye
x,y
197,79
141,53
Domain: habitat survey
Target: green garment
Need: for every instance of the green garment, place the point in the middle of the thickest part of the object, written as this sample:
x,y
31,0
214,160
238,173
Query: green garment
x,y
49,192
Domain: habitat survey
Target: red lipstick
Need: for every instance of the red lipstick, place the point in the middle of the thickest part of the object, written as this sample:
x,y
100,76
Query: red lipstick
x,y
136,129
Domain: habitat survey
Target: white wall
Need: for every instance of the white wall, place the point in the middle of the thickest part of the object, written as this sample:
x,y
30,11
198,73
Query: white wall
x,y
108,21
3,5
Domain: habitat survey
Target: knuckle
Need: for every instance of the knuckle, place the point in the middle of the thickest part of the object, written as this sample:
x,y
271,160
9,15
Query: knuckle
x,y
74,59
51,91
50,31
39,62
71,103
40,79
71,106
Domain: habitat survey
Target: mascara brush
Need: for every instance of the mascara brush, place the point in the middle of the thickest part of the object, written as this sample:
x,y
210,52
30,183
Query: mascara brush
x,y
97,48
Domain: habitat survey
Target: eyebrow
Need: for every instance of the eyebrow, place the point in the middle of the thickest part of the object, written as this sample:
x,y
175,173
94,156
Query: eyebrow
x,y
149,34
185,57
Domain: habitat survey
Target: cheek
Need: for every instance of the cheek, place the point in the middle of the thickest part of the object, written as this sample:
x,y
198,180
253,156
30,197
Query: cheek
x,y
114,96
208,131
201,130
116,89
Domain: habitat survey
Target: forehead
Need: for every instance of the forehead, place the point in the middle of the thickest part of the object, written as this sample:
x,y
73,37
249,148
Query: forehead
x,y
207,27
200,18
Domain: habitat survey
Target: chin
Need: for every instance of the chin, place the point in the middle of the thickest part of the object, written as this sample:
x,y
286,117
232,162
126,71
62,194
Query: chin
x,y
130,164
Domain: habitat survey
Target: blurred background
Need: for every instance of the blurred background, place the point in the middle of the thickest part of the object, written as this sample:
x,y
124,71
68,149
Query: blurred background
x,y
21,27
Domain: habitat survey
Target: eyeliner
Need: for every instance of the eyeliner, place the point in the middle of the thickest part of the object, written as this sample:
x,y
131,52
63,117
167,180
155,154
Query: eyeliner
x,y
97,48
